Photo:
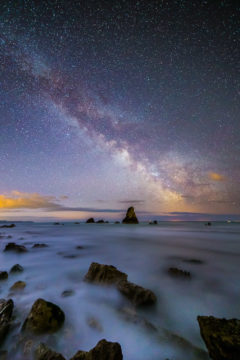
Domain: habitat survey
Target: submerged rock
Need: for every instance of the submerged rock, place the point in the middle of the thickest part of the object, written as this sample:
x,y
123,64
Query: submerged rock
x,y
94,324
193,261
6,309
221,336
106,274
18,285
44,317
104,350
130,217
3,275
16,268
179,273
117,222
109,274
90,221
67,293
15,247
137,294
42,352
40,245
8,226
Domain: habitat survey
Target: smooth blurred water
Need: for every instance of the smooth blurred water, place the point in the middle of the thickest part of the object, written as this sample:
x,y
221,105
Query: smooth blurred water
x,y
144,252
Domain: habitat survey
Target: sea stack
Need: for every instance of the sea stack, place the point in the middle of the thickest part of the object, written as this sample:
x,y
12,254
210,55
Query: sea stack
x,y
130,217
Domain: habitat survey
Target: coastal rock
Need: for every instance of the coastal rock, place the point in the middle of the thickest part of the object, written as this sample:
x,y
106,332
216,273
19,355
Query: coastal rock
x,y
6,309
137,294
42,352
175,272
67,293
18,285
130,217
44,317
110,275
39,245
117,222
154,222
16,268
15,247
104,350
3,275
8,226
106,274
90,221
221,336
100,221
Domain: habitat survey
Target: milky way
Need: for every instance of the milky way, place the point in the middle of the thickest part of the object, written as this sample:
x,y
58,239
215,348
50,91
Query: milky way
x,y
107,103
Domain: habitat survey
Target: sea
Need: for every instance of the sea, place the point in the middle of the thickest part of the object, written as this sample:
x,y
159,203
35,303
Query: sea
x,y
168,330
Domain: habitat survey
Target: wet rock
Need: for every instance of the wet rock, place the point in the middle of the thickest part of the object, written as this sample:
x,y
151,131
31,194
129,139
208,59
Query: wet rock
x,y
3,275
40,245
42,352
221,336
77,223
154,222
9,237
104,350
137,294
175,272
15,247
18,285
67,293
16,268
117,222
100,221
6,309
94,324
130,315
79,247
106,274
90,221
130,217
8,226
208,224
194,261
56,223
44,317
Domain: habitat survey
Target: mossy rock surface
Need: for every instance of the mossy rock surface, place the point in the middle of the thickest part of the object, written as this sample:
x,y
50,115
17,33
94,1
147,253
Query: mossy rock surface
x,y
44,317
106,274
221,336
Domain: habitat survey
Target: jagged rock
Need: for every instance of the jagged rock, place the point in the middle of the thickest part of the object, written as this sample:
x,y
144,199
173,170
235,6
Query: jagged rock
x,y
3,275
137,294
16,268
90,221
6,309
67,293
18,285
42,352
221,336
8,226
44,317
104,350
130,217
15,247
106,274
40,245
179,273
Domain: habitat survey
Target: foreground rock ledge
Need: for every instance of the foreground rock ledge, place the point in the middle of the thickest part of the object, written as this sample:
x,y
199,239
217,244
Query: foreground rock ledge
x,y
6,309
104,350
108,274
221,336
44,317
42,352
130,217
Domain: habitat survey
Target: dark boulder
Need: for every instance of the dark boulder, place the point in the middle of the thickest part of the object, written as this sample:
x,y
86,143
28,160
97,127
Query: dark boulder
x,y
104,350
90,221
175,272
16,268
130,217
6,309
18,285
100,221
106,274
221,336
44,317
41,245
3,275
15,247
153,222
42,352
137,294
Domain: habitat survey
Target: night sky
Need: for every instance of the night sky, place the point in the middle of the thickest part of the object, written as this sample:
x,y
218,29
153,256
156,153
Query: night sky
x,y
107,104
